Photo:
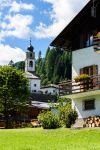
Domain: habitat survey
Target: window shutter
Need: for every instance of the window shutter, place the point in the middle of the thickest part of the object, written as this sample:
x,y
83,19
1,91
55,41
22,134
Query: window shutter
x,y
81,70
95,69
90,70
95,79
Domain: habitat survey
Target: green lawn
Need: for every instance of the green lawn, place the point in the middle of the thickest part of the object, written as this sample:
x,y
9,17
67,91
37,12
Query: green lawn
x,y
59,139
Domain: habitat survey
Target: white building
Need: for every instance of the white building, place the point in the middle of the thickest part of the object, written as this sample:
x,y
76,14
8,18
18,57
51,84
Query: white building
x,y
35,82
30,70
78,38
50,89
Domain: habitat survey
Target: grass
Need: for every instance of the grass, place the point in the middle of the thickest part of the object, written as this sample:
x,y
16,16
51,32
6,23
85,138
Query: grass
x,y
59,139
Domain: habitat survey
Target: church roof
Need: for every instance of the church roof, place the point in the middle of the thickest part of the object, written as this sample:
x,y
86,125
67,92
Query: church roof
x,y
31,76
30,47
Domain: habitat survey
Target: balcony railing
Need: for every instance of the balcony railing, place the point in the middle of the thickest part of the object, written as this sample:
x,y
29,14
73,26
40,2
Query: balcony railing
x,y
71,87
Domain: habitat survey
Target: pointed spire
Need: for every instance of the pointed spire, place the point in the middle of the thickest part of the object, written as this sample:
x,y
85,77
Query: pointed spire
x,y
30,41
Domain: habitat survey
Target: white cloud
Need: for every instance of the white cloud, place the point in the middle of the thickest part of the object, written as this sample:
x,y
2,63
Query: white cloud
x,y
17,7
5,3
17,26
13,22
62,13
8,53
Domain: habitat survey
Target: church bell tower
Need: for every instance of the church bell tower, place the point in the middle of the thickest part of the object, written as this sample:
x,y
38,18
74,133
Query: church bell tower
x,y
30,59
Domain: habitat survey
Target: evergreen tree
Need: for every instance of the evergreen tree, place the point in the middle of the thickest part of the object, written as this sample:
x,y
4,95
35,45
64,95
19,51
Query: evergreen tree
x,y
54,67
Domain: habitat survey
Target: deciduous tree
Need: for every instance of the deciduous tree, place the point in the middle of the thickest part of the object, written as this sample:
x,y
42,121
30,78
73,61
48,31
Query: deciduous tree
x,y
13,90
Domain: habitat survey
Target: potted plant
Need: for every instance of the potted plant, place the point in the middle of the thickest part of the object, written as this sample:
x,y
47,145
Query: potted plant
x,y
82,77
84,80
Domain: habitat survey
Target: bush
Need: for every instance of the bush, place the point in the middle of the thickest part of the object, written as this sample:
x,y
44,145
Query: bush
x,y
49,120
68,115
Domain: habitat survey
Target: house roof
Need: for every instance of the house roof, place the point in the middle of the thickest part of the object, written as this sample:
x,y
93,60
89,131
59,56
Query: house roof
x,y
40,105
82,20
50,86
31,76
43,105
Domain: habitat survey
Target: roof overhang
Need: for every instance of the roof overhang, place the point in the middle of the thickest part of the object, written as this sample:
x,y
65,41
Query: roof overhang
x,y
83,95
82,19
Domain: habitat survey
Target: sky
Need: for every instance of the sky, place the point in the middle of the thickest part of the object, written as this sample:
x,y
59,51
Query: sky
x,y
42,20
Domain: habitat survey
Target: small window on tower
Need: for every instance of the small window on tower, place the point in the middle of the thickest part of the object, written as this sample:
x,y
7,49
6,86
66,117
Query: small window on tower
x,y
35,85
30,55
31,64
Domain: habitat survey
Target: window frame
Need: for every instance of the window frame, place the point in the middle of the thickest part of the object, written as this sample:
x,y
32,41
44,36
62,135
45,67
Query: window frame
x,y
87,106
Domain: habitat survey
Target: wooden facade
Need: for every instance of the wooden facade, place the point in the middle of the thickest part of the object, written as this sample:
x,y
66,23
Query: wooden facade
x,y
79,31
93,83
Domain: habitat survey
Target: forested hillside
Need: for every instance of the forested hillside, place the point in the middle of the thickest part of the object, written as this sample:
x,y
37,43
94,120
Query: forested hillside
x,y
20,65
54,67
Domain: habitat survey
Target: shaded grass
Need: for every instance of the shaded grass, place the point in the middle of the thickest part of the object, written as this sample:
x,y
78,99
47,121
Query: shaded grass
x,y
58,139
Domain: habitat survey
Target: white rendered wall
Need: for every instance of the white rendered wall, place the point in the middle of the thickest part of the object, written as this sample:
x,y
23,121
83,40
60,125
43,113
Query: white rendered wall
x,y
78,105
84,57
37,87
80,59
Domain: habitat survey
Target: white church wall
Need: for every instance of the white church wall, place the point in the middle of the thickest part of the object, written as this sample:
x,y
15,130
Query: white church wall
x,y
35,85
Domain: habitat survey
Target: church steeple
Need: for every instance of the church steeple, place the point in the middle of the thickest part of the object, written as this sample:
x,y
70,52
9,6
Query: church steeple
x,y
30,59
30,48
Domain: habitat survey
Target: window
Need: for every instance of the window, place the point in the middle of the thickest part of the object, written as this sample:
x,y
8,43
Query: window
x,y
30,55
53,91
35,85
90,70
31,64
33,91
46,91
89,104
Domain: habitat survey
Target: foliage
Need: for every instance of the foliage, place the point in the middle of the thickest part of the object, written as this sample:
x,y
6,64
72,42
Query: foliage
x,y
55,67
13,90
81,77
68,115
49,120
63,101
20,65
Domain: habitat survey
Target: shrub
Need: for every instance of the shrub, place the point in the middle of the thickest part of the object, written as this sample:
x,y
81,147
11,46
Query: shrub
x,y
68,115
49,120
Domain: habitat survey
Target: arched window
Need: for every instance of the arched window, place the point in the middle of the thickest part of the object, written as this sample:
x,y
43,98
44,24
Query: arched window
x,y
31,64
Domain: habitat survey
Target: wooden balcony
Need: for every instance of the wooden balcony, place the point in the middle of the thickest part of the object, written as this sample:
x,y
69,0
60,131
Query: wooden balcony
x,y
72,87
